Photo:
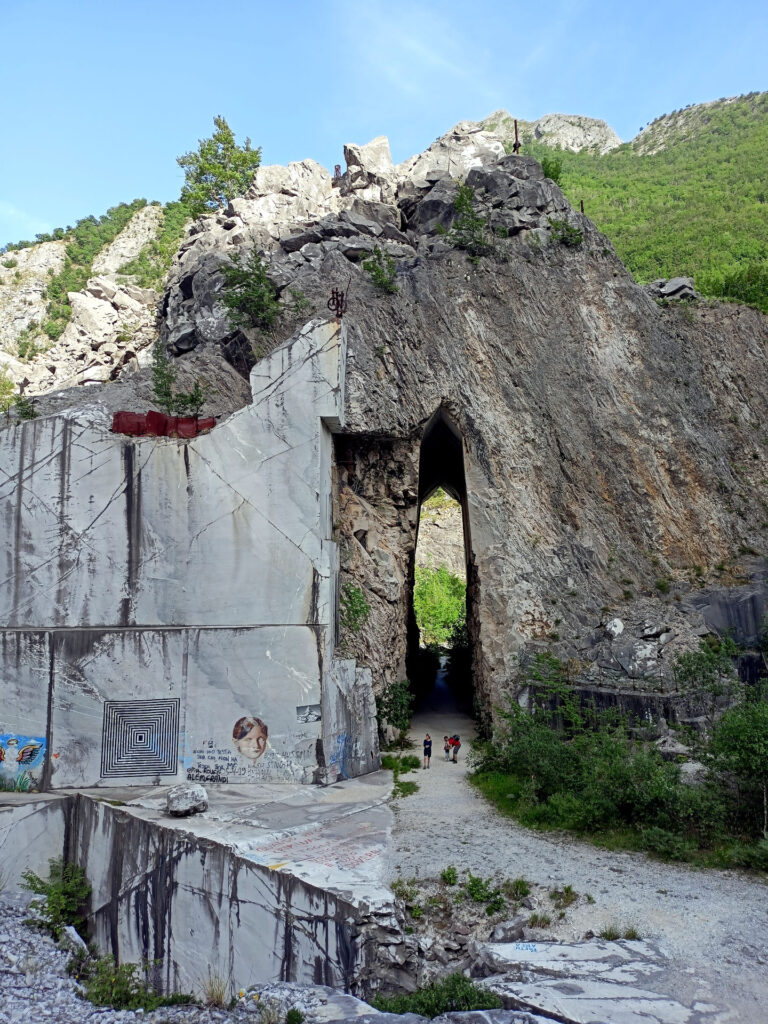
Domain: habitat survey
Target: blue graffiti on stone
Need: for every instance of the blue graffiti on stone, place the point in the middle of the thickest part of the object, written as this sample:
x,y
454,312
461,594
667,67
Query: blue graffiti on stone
x,y
19,755
340,756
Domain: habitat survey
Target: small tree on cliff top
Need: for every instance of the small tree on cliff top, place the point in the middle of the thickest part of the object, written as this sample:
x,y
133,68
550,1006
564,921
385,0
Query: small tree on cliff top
x,y
220,170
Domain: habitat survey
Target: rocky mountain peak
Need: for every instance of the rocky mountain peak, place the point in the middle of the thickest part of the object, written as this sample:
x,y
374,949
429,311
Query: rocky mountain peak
x,y
566,131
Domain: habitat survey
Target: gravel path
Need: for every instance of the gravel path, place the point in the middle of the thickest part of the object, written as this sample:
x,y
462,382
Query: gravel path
x,y
712,925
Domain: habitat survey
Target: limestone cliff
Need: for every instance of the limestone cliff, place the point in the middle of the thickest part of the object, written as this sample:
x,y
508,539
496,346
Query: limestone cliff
x,y
607,453
565,131
605,443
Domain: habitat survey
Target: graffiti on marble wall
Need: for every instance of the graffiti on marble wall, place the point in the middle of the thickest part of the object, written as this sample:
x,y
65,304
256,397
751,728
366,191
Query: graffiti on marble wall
x,y
252,758
339,759
212,763
250,737
19,757
308,713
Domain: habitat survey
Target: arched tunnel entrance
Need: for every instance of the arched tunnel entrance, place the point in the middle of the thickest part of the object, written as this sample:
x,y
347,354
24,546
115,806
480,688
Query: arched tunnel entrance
x,y
439,657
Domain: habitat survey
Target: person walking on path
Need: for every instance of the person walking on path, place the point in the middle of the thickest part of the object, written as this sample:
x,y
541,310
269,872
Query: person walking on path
x,y
427,751
447,748
455,743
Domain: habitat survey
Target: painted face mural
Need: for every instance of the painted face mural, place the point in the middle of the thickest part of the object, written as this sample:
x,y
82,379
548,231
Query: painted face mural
x,y
250,737
19,755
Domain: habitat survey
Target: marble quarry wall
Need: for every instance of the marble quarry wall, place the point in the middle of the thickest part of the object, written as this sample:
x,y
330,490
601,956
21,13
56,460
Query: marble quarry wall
x,y
166,891
167,607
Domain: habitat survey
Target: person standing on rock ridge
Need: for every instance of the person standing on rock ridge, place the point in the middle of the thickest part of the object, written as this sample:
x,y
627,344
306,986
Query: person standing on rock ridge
x,y
427,751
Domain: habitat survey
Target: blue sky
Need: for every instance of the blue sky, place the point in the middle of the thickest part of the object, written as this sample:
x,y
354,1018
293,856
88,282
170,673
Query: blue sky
x,y
98,99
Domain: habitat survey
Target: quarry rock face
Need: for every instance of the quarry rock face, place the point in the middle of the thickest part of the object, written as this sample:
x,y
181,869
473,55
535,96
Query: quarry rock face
x,y
201,649
605,451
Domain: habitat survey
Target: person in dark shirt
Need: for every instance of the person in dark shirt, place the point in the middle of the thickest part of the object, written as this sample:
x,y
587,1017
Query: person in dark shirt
x,y
427,751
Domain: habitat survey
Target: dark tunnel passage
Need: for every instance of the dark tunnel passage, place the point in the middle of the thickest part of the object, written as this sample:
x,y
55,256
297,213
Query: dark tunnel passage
x,y
442,675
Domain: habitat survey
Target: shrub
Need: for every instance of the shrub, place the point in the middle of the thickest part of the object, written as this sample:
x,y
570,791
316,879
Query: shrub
x,y
454,994
568,766
7,392
163,379
469,230
564,897
405,890
552,166
380,267
220,170
215,990
62,897
539,921
122,986
25,408
565,233
666,845
478,889
294,1016
747,283
299,304
9,264
449,875
517,889
393,706
740,745
353,608
709,675
248,294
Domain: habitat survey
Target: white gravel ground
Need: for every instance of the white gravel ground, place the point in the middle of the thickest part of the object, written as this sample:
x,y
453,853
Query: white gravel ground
x,y
712,925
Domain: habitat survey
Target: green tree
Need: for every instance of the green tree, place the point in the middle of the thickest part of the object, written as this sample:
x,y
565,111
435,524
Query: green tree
x,y
740,745
393,706
163,379
469,230
552,166
248,294
220,170
439,602
381,269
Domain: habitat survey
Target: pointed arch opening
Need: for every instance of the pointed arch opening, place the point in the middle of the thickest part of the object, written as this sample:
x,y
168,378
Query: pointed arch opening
x,y
439,629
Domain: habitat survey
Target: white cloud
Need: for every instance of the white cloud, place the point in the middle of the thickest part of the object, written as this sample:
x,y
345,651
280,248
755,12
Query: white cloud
x,y
16,224
408,48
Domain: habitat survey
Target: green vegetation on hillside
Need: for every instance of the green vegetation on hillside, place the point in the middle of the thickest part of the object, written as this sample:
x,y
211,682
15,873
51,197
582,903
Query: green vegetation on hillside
x,y
567,765
698,207
149,268
89,236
